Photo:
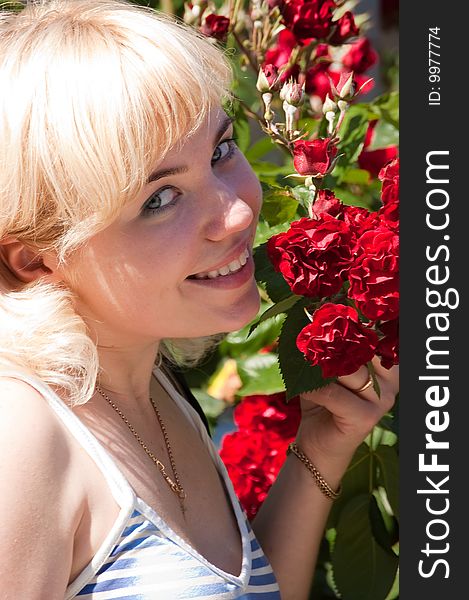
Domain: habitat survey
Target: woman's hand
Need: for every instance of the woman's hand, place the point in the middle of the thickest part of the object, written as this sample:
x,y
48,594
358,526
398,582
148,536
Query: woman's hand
x,y
335,419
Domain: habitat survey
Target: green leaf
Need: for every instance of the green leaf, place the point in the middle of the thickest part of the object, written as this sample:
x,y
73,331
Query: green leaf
x,y
356,480
212,407
303,195
275,285
384,135
298,374
378,526
260,149
389,474
357,176
260,374
386,107
280,307
352,133
265,231
362,569
278,206
241,343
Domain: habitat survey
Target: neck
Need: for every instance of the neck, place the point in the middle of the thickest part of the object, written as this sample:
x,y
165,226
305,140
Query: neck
x,y
126,372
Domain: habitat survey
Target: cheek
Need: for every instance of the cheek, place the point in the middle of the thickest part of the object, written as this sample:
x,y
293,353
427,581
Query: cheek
x,y
249,188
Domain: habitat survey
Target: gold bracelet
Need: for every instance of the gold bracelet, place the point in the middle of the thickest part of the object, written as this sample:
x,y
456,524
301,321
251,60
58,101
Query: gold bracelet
x,y
322,483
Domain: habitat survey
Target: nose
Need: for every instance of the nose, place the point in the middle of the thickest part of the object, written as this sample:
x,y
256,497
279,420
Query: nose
x,y
227,212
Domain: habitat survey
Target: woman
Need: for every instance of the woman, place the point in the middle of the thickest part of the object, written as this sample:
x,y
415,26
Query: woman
x,y
126,229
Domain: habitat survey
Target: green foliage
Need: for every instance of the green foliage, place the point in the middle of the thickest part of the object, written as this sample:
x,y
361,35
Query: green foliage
x,y
363,570
298,374
352,134
276,287
260,374
279,206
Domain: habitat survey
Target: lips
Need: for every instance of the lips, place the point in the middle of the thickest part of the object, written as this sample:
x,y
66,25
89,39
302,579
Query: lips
x,y
232,264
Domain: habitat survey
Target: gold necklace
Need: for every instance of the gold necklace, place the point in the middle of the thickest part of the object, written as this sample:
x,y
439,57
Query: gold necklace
x,y
175,486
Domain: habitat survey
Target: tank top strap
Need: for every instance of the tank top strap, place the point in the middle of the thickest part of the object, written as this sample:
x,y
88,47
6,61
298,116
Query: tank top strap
x,y
120,488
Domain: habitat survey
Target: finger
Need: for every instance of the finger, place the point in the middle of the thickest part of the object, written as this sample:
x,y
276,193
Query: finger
x,y
356,380
390,376
347,406
360,383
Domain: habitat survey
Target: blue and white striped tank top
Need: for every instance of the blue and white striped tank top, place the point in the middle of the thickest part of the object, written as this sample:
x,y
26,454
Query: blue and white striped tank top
x,y
142,558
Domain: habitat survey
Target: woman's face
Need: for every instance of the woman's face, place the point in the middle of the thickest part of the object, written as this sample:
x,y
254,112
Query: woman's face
x,y
162,268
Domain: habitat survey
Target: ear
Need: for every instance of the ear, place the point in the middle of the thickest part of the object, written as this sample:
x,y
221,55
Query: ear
x,y
26,264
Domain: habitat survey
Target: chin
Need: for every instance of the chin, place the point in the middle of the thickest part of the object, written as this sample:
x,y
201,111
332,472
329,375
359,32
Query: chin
x,y
243,312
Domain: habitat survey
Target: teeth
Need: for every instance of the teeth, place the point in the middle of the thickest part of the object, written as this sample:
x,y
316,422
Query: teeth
x,y
233,266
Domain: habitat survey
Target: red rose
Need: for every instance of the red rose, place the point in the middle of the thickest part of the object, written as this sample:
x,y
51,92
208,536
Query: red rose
x,y
314,157
313,255
388,347
345,28
255,453
279,55
389,175
327,203
374,277
317,82
360,57
389,214
360,219
336,340
373,160
269,412
308,19
253,460
215,26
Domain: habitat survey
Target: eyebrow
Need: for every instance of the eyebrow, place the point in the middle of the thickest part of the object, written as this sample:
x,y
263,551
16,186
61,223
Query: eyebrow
x,y
227,121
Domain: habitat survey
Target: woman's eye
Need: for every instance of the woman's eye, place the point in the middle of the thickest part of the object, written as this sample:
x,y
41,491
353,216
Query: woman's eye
x,y
161,200
224,150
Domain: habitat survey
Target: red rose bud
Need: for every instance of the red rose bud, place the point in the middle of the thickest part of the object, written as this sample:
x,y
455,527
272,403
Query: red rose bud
x,y
336,340
314,157
267,79
215,26
374,276
344,89
345,28
292,93
314,255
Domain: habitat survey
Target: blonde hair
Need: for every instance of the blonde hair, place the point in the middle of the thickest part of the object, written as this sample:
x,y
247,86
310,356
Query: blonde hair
x,y
94,93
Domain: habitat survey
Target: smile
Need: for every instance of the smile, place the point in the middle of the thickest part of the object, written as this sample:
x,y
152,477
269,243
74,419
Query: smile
x,y
235,274
232,267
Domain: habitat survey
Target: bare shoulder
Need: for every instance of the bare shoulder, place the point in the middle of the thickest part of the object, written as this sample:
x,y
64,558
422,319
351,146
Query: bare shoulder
x,y
29,428
40,501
